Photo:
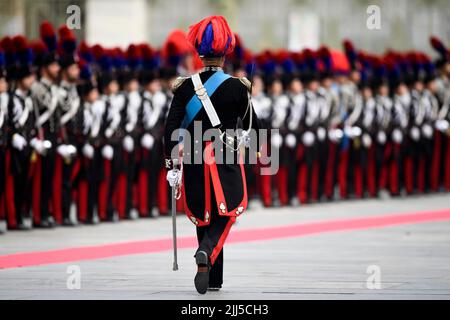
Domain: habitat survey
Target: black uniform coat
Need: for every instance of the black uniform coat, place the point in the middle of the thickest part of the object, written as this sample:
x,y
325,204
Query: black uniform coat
x,y
227,181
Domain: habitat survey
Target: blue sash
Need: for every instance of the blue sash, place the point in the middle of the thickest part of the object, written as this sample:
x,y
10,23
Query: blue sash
x,y
195,105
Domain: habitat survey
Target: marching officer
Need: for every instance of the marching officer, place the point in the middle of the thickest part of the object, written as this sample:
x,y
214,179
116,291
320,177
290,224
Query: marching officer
x,y
215,194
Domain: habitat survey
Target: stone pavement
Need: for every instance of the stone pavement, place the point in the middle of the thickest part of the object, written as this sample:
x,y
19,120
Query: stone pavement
x,y
413,260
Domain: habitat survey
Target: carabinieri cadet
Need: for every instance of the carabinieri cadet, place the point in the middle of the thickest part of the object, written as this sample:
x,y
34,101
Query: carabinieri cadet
x,y
4,99
45,95
21,136
111,133
129,117
69,105
215,193
150,125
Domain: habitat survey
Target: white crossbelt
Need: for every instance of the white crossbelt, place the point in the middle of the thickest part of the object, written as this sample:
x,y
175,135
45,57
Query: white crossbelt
x,y
202,94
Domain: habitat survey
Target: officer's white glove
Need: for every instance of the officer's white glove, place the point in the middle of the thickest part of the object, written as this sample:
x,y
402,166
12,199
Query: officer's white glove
x,y
427,131
442,125
18,141
71,150
128,143
335,135
276,140
88,151
381,137
107,152
321,134
147,141
290,140
415,133
308,138
366,140
174,177
397,136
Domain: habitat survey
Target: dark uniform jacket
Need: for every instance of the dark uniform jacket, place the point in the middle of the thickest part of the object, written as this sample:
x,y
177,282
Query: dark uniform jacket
x,y
225,181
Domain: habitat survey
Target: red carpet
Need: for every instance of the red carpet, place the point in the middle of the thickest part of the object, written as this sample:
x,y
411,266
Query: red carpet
x,y
247,235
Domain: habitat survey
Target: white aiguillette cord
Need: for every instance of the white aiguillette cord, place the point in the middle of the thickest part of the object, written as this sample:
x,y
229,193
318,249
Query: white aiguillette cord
x,y
202,94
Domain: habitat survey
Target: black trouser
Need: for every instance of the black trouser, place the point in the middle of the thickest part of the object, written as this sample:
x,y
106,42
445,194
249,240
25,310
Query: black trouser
x,y
20,161
95,176
208,238
66,191
48,170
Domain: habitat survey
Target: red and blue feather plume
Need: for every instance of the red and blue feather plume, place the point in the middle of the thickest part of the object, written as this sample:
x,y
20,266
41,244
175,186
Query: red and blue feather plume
x,y
212,37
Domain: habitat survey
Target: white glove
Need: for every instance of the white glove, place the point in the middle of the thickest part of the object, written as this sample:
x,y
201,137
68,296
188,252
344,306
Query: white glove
x,y
308,138
88,151
147,141
40,146
381,137
174,177
415,133
128,143
366,140
107,152
427,131
321,134
442,125
335,135
18,141
276,140
397,136
66,150
290,140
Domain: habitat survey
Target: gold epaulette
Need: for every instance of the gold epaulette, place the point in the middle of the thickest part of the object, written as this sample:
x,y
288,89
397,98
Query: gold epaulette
x,y
246,82
177,83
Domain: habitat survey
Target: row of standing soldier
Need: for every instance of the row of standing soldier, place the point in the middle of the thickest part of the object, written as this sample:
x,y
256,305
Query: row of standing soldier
x,y
81,127
380,128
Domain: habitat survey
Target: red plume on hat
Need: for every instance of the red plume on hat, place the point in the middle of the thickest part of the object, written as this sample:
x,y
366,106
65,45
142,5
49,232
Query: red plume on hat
x,y
439,46
212,37
48,35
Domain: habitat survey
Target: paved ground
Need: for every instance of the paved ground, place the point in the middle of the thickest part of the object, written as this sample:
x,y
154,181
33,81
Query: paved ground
x,y
413,259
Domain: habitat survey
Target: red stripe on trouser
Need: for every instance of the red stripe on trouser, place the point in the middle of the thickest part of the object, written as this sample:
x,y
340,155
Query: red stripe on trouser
x,y
75,170
163,204
447,165
371,172
409,175
302,183
343,167
82,200
9,192
315,181
122,195
358,181
57,188
384,170
394,183
421,174
329,177
222,239
436,162
143,193
266,189
103,189
282,185
36,202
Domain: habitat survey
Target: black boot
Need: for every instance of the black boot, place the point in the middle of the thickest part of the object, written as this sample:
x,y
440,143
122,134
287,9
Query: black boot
x,y
202,277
